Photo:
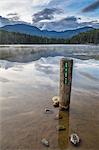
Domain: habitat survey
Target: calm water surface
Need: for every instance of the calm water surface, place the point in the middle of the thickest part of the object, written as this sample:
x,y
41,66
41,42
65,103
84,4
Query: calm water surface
x,y
29,78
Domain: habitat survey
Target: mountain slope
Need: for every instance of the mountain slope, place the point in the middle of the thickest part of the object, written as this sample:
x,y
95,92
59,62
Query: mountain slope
x,y
85,38
19,38
31,30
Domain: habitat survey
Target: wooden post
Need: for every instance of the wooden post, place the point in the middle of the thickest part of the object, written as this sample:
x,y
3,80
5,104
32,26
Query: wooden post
x,y
65,83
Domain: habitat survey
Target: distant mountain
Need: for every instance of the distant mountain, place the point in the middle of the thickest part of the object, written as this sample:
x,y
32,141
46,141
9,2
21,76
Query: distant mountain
x,y
31,30
11,21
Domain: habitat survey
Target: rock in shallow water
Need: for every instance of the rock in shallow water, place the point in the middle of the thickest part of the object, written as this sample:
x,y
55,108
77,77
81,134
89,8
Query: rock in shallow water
x,y
56,104
58,117
74,138
61,128
55,100
48,111
45,142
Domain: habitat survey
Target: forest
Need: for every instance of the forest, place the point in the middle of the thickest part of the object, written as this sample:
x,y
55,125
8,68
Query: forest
x,y
19,38
85,38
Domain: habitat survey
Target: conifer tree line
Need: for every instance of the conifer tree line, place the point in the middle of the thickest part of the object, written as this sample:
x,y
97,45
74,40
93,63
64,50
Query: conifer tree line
x,y
19,38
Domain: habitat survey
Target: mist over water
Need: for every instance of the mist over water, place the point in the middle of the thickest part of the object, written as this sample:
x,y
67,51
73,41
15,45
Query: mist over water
x,y
29,78
33,52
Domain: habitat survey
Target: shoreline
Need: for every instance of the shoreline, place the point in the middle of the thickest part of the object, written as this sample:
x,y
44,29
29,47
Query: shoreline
x,y
89,44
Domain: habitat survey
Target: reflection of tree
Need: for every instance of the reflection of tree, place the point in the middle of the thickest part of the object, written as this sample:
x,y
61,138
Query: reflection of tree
x,y
63,136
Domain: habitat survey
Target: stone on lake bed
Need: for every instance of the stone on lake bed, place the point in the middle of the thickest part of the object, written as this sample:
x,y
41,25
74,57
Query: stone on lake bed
x,y
58,117
61,128
45,142
74,138
48,111
55,100
56,104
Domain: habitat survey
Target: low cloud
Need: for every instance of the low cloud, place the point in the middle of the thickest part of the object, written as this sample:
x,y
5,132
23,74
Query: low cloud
x,y
91,7
12,14
67,23
10,20
13,17
45,14
40,2
4,21
71,18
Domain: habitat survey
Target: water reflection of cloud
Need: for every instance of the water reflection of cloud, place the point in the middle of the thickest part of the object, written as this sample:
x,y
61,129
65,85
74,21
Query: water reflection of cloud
x,y
89,76
4,64
45,73
87,64
47,69
3,79
18,68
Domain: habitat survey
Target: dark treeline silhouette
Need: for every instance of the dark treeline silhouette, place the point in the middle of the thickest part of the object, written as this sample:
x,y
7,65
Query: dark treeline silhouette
x,y
18,38
85,38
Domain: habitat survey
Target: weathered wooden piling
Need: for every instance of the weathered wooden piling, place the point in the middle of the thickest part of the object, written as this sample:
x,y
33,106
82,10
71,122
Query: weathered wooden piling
x,y
65,83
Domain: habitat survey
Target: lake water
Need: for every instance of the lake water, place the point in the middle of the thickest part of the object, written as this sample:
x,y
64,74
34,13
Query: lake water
x,y
29,78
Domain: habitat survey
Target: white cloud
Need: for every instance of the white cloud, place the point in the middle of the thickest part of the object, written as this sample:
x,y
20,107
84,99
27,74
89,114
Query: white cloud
x,y
40,2
67,23
24,8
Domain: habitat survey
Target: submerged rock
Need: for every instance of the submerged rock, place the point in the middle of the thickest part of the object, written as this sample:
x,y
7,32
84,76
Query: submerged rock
x,y
74,138
55,100
45,142
61,128
48,111
58,117
63,108
56,104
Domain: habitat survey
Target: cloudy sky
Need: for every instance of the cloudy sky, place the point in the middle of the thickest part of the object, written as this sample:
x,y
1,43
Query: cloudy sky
x,y
50,14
